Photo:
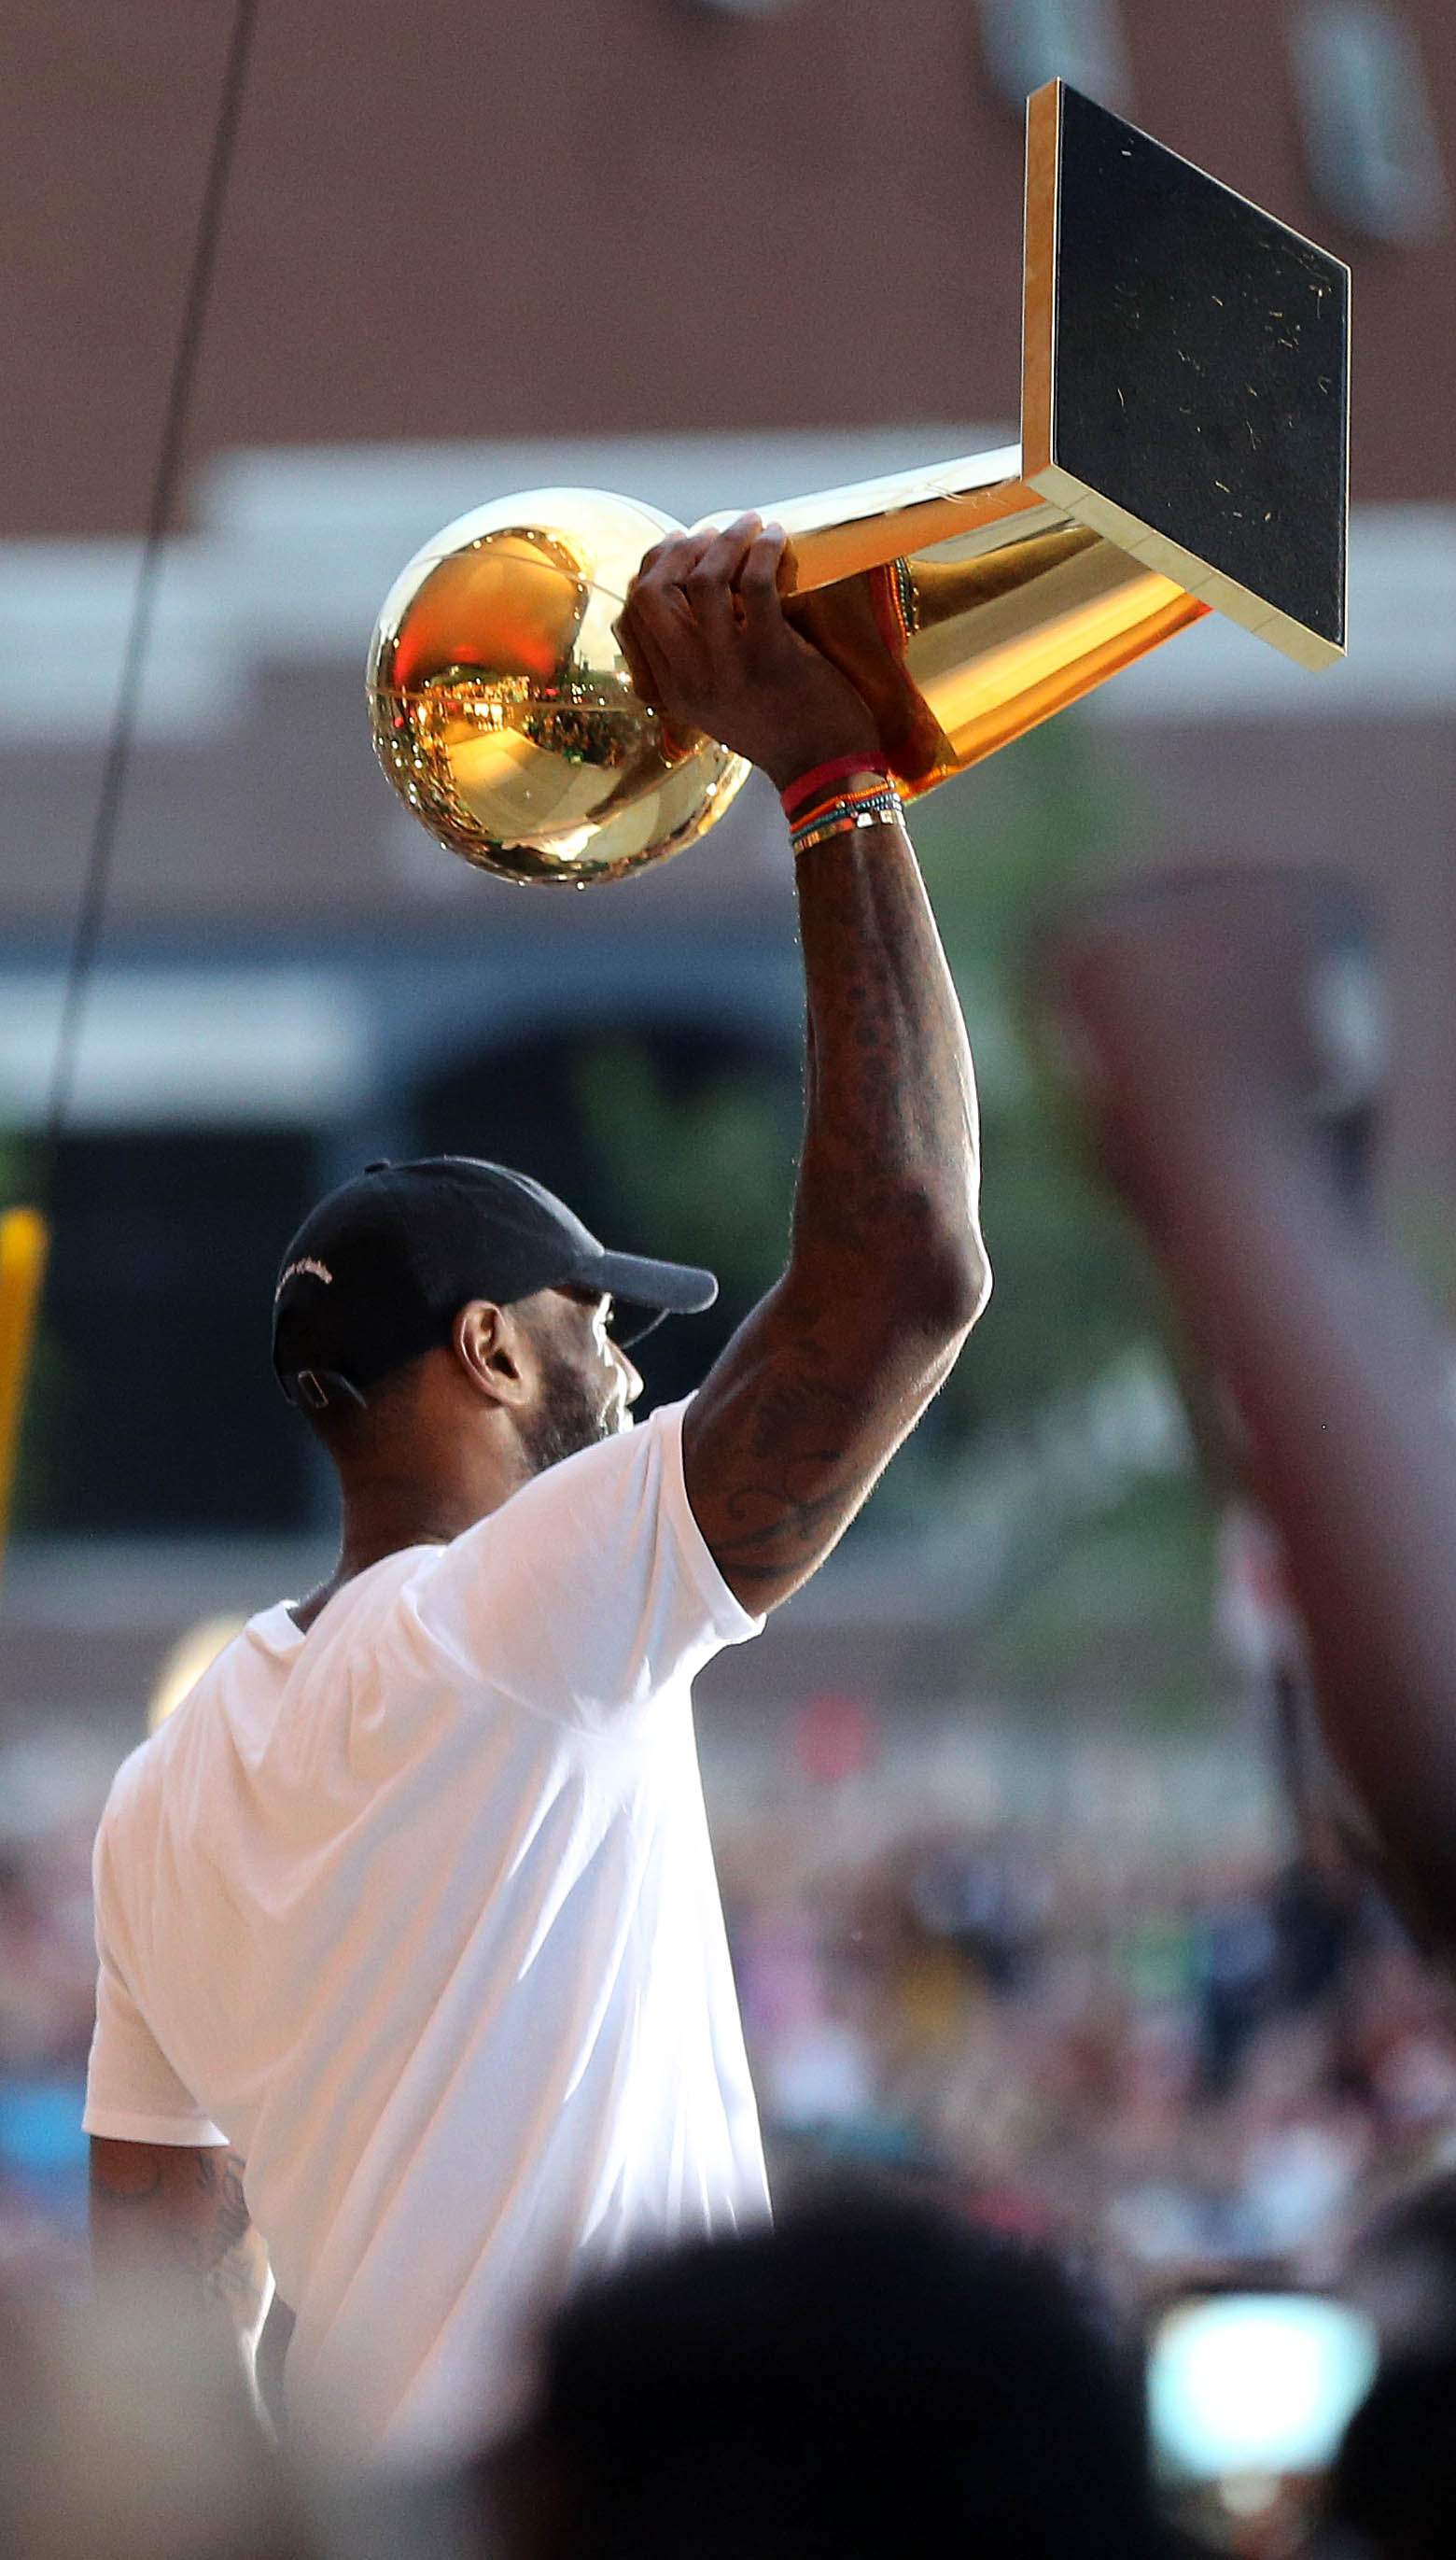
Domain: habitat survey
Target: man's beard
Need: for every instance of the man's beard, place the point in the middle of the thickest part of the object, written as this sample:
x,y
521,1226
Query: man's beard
x,y
569,1416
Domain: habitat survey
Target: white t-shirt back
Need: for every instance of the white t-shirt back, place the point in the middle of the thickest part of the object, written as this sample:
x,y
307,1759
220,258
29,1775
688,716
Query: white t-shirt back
x,y
418,1912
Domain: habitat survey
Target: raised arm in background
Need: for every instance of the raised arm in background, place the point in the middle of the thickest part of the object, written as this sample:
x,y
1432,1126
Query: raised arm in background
x,y
1197,1009
886,1270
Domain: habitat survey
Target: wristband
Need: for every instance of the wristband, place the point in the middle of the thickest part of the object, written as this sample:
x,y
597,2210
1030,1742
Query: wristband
x,y
844,827
820,777
846,818
849,799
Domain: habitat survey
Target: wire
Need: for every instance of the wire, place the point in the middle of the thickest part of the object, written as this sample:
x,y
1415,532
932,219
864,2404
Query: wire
x,y
23,1234
91,909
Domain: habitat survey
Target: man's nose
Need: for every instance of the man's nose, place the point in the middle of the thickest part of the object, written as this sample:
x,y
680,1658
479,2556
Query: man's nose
x,y
631,1375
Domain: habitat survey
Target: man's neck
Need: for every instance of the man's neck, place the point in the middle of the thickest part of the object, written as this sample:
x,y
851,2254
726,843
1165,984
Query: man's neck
x,y
388,1514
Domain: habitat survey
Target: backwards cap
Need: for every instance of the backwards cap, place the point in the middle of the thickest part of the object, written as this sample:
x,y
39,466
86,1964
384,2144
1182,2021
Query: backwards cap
x,y
379,1272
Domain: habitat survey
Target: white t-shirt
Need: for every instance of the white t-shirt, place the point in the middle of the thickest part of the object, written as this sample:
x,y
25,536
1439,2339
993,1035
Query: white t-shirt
x,y
418,1912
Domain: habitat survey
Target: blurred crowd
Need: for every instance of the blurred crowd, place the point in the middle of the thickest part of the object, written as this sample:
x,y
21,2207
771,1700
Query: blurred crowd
x,y
1179,2070
1178,2065
51,1789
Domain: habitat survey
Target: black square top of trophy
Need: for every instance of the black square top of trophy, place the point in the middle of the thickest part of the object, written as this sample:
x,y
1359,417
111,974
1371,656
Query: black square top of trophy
x,y
1195,361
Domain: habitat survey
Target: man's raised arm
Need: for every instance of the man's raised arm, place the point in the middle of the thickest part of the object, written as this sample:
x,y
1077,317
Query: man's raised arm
x,y
886,1271
1198,1006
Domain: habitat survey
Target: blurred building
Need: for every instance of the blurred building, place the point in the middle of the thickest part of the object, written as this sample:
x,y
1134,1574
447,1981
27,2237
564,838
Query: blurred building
x,y
700,250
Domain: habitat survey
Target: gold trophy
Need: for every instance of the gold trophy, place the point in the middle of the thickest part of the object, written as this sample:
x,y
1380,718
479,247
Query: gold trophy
x,y
1184,446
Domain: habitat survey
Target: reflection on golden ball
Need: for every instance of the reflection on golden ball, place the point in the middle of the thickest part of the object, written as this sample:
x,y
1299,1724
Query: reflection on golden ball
x,y
501,705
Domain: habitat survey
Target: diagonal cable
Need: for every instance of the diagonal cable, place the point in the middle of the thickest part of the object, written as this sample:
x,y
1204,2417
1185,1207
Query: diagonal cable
x,y
90,913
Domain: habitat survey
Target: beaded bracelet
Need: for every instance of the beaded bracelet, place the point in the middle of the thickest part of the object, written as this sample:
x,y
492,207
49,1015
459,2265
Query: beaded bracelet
x,y
843,826
847,816
844,806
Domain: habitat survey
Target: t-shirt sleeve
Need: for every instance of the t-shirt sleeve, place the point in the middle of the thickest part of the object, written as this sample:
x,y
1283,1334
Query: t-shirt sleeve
x,y
133,2095
592,1590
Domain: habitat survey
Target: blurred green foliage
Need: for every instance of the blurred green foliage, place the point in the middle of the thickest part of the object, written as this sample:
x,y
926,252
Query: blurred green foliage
x,y
701,1170
1002,851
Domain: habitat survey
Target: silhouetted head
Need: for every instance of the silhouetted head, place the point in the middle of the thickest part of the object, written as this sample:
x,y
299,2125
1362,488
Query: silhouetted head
x,y
872,2377
1392,2493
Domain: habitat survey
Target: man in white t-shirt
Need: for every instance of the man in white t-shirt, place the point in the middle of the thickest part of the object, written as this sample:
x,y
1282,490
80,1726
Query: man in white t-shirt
x,y
410,1944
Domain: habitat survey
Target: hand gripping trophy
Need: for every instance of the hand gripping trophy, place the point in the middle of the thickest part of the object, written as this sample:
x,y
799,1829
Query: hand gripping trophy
x,y
1184,446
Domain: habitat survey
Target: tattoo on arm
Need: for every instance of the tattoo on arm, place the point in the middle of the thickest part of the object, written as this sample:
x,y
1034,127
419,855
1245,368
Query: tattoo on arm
x,y
233,2264
797,1453
886,1273
181,2213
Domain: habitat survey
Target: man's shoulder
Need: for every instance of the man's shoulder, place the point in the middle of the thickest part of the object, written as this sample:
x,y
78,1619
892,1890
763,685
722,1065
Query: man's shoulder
x,y
131,1800
590,1593
144,1771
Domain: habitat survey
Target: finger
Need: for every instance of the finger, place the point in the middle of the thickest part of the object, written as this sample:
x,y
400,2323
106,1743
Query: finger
x,y
658,593
667,556
712,583
680,606
669,563
758,581
657,612
644,681
739,530
659,636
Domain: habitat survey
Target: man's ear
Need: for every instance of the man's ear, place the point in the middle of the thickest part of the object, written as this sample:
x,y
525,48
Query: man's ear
x,y
494,1349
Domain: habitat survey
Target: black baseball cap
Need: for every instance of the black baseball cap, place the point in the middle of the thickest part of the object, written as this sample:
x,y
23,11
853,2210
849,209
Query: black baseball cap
x,y
379,1272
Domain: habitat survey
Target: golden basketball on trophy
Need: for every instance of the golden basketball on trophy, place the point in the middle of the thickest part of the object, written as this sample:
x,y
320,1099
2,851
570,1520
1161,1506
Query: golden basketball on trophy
x,y
1184,441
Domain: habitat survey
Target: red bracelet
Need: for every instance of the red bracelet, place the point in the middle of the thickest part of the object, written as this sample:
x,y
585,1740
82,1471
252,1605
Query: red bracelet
x,y
818,775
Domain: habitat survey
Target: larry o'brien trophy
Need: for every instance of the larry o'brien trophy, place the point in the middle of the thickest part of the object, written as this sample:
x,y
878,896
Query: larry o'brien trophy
x,y
1184,445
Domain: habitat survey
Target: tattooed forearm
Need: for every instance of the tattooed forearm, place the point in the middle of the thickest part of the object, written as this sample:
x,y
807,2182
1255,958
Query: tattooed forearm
x,y
890,1142
886,1271
178,2214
